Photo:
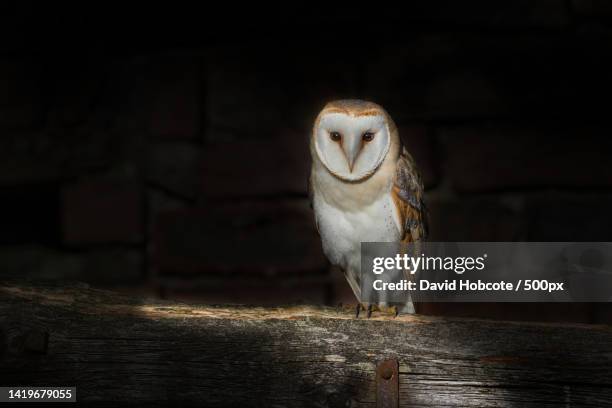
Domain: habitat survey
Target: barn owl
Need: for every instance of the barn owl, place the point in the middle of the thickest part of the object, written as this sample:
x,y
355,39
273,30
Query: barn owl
x,y
363,186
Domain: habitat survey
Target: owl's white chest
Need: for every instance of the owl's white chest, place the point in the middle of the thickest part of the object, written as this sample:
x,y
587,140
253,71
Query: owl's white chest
x,y
343,231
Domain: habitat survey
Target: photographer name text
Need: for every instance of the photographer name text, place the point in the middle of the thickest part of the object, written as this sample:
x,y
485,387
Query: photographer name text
x,y
527,285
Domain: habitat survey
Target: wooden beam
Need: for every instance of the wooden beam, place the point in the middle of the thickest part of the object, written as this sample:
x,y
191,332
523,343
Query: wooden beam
x,y
115,348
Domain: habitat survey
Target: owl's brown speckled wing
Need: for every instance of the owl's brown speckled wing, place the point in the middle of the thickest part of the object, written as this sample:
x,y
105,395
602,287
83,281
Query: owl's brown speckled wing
x,y
407,195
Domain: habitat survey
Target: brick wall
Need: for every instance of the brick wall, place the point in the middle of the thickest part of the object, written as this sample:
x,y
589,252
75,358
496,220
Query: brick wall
x,y
177,158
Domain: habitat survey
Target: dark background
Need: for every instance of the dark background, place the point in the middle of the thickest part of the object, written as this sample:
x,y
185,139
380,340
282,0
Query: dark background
x,y
162,150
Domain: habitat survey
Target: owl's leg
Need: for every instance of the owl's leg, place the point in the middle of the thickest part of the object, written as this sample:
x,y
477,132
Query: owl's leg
x,y
359,307
353,280
394,310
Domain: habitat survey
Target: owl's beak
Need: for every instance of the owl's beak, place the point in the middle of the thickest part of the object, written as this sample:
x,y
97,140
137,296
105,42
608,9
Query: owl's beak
x,y
352,148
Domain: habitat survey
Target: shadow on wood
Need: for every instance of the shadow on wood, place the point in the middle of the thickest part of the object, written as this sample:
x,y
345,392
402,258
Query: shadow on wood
x,y
119,349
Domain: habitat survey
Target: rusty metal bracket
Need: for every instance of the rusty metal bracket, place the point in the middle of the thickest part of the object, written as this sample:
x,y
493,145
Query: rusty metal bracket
x,y
387,384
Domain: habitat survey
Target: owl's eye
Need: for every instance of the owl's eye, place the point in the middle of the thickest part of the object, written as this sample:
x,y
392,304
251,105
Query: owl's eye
x,y
335,136
367,136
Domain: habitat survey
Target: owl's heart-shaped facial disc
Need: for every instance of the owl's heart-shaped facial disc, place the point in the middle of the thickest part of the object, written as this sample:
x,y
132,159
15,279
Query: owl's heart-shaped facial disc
x,y
351,147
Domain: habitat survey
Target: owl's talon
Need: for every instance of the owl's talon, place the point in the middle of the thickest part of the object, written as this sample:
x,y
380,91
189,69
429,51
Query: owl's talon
x,y
370,308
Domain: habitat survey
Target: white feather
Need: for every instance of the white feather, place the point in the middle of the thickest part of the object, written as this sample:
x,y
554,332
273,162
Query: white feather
x,y
342,232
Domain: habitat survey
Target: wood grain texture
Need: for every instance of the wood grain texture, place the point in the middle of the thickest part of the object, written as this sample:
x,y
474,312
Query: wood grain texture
x,y
120,349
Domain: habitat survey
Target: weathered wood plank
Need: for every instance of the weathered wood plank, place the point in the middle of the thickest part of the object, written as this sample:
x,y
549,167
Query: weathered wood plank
x,y
119,349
